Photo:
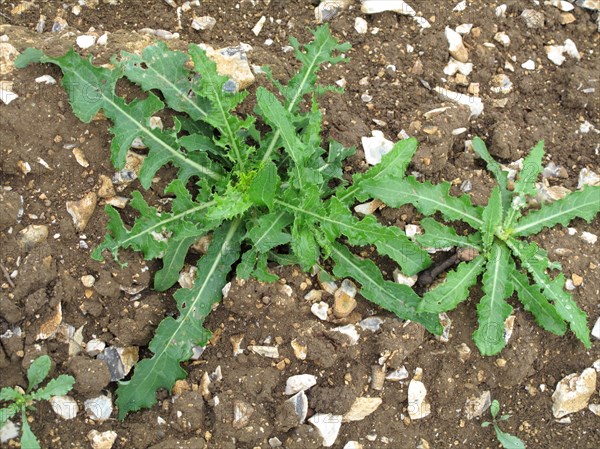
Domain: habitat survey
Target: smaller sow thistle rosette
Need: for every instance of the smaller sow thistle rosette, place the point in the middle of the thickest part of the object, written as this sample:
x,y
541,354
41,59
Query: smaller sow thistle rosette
x,y
506,259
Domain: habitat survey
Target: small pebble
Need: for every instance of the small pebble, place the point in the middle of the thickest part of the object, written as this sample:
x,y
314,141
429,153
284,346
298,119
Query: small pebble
x,y
88,280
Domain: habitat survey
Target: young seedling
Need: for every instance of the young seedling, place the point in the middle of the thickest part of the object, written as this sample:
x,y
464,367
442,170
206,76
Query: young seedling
x,y
499,248
507,440
277,196
22,401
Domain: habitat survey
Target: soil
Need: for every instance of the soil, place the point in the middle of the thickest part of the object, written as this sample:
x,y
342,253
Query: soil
x,y
551,103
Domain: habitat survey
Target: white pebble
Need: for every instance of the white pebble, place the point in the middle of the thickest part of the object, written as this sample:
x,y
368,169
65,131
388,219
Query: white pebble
x,y
47,79
376,147
85,41
64,406
588,237
301,382
528,65
320,310
328,426
596,329
360,25
465,28
502,38
259,25
461,6
102,440
99,408
411,230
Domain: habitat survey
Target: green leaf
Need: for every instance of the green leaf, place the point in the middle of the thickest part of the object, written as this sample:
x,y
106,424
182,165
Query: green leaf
x,y
496,169
28,439
492,309
565,306
56,387
495,408
173,262
389,240
534,302
426,197
152,230
265,233
163,69
123,133
231,204
532,166
507,440
332,169
304,244
175,337
583,204
314,55
268,231
9,394
37,371
492,217
485,424
454,289
210,86
8,412
92,88
261,273
389,171
29,56
88,86
265,185
396,298
280,120
440,236
525,185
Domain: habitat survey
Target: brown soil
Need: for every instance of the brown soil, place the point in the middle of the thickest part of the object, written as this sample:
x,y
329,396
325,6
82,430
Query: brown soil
x,y
548,103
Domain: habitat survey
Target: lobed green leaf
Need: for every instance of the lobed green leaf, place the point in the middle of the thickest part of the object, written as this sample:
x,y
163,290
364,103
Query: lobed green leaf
x,y
389,240
496,169
213,88
8,412
28,439
507,440
564,304
56,387
455,288
388,172
492,217
160,68
493,309
37,371
581,204
396,298
175,337
438,235
426,197
265,185
535,303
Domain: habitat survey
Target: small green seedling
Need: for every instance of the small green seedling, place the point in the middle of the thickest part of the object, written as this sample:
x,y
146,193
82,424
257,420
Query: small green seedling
x,y
21,401
499,248
507,440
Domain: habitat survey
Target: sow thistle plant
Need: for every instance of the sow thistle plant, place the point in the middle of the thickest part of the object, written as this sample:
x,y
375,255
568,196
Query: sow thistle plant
x,y
272,196
507,261
279,196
